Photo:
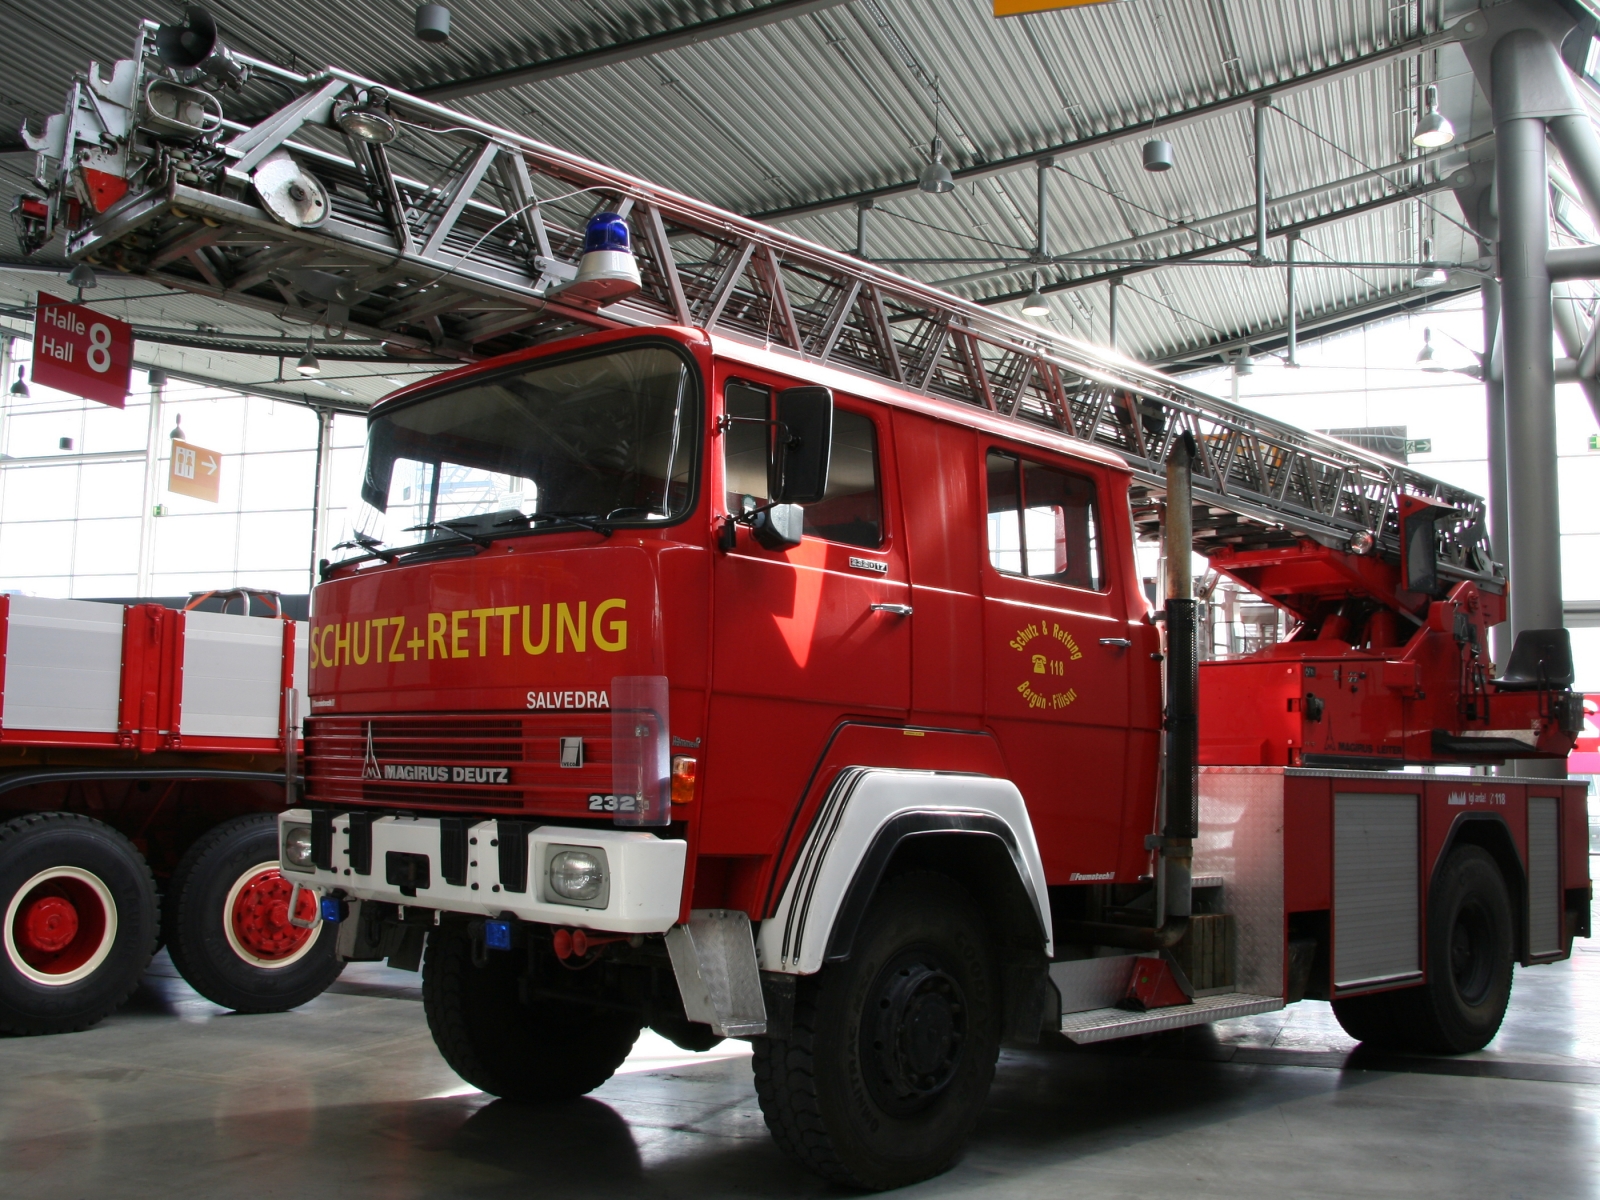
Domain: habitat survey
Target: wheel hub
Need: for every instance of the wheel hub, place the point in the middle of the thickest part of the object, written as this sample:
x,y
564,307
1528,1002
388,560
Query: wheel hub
x,y
49,923
59,926
260,916
914,1034
1471,964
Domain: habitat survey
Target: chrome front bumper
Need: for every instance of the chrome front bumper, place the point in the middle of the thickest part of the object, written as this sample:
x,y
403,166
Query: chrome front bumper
x,y
644,891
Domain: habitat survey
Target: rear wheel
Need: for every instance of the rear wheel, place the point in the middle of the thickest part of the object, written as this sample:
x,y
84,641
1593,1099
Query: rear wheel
x,y
891,1052
1470,948
228,928
534,1052
79,928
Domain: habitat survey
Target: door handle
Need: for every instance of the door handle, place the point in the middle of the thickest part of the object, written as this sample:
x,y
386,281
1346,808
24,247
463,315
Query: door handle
x,y
899,610
1115,642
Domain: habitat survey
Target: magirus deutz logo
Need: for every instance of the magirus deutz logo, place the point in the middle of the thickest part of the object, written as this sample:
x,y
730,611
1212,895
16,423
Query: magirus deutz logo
x,y
372,769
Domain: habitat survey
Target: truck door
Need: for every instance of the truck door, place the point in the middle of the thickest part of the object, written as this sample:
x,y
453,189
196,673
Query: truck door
x,y
798,643
1057,655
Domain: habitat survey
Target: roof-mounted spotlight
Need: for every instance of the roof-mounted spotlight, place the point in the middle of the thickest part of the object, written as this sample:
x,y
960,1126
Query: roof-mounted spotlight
x,y
308,364
1431,274
936,178
433,23
1426,353
1158,155
1243,364
368,118
82,276
1433,127
1036,305
20,387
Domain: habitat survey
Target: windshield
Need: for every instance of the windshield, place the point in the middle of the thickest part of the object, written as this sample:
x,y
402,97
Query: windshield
x,y
607,438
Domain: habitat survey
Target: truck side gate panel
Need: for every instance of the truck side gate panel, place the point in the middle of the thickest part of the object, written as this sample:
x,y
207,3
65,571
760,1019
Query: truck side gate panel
x,y
63,667
1377,905
1544,876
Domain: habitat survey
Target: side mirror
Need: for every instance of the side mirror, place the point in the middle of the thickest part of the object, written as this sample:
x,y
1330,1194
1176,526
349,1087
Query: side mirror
x,y
797,472
778,527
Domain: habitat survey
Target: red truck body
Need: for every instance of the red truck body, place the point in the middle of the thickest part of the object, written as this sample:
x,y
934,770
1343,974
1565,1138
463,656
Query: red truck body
x,y
143,755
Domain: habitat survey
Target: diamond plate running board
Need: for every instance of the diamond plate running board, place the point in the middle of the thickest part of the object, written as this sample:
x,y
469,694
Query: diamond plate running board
x,y
1104,1024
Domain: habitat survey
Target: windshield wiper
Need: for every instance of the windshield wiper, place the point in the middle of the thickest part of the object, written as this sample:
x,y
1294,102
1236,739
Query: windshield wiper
x,y
365,541
475,539
590,521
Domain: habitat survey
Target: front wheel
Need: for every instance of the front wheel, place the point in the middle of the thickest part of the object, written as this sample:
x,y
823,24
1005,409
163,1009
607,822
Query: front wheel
x,y
891,1053
79,908
227,923
535,1051
1470,948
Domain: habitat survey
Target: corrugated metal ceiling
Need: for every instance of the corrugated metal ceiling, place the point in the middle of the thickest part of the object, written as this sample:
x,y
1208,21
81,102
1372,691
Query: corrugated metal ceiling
x,y
841,101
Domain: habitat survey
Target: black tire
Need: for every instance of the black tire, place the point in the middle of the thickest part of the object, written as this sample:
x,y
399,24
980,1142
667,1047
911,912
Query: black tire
x,y
537,1052
892,1052
238,950
1470,947
79,906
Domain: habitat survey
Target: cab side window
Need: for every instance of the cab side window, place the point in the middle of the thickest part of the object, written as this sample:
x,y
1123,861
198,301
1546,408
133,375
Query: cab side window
x,y
850,511
744,443
1043,523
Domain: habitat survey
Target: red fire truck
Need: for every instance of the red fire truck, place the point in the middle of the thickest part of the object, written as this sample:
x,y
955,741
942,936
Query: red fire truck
x,y
748,641
143,757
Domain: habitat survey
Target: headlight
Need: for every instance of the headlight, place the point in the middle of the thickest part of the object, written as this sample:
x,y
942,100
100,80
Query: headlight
x,y
578,876
297,848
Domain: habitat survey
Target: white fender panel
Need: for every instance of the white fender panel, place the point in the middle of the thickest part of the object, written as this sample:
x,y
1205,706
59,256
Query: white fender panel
x,y
860,803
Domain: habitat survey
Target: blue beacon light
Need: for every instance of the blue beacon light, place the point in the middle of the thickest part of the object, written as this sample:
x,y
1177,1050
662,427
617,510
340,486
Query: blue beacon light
x,y
607,270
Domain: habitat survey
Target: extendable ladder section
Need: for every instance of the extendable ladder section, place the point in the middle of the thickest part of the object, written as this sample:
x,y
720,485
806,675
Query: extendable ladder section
x,y
455,239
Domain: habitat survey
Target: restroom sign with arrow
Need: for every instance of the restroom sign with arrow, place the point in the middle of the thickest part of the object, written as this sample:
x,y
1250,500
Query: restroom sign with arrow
x,y
194,471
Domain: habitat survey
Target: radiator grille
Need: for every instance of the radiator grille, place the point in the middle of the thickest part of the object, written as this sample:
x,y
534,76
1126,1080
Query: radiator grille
x,y
433,757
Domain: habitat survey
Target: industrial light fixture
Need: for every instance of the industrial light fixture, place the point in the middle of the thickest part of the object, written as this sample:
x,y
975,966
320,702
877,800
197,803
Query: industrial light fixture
x,y
177,433
1430,275
82,276
1158,155
1426,353
308,364
1036,305
1433,127
936,178
1243,364
369,118
433,23
20,387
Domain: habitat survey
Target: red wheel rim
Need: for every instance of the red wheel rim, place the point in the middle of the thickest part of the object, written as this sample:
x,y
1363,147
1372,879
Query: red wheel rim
x,y
60,925
256,917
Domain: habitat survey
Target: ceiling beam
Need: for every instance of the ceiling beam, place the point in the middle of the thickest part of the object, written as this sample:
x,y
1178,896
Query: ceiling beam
x,y
676,38
1238,243
1270,340
1469,26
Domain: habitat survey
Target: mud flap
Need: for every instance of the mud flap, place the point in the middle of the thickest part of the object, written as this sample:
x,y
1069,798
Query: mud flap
x,y
714,960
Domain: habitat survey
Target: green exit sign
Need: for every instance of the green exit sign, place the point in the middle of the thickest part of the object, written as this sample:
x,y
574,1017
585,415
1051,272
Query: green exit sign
x,y
1594,441
1419,445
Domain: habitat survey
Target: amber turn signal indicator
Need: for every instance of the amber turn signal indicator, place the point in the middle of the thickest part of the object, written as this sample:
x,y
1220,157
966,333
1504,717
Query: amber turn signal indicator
x,y
683,768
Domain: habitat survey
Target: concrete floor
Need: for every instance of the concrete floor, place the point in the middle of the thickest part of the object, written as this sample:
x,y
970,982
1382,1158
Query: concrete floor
x,y
348,1098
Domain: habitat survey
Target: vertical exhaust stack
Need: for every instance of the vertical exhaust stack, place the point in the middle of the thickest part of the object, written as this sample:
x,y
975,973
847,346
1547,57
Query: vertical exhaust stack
x,y
1181,801
1180,794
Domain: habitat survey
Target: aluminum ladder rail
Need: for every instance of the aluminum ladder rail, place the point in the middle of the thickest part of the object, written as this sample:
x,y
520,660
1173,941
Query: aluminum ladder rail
x,y
454,240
